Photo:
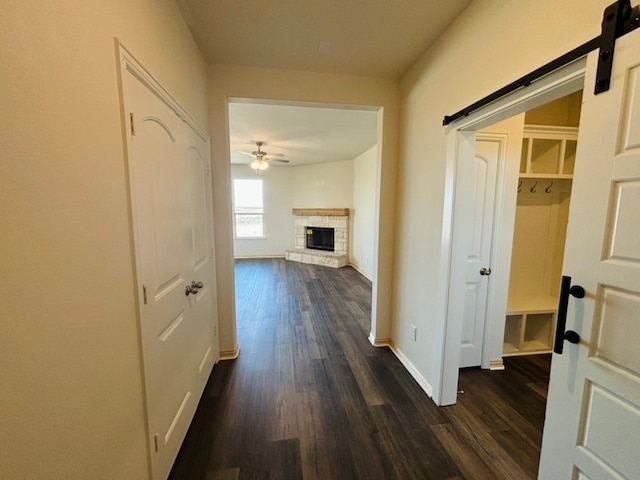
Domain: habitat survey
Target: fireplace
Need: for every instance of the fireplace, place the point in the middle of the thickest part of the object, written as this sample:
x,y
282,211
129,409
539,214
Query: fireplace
x,y
320,238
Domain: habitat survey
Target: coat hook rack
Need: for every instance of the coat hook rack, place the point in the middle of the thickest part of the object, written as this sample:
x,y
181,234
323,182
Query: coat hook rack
x,y
520,186
533,189
548,189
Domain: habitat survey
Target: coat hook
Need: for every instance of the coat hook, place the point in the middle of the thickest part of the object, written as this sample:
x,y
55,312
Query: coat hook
x,y
548,189
520,186
533,189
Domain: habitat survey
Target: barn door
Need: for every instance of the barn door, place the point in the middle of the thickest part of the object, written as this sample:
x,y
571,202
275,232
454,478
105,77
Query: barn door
x,y
592,427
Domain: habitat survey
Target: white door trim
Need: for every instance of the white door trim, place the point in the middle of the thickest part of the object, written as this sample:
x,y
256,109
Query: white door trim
x,y
496,255
460,139
129,63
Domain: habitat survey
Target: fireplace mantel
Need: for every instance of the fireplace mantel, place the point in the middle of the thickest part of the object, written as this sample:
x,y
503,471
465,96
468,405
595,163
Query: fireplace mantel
x,y
321,212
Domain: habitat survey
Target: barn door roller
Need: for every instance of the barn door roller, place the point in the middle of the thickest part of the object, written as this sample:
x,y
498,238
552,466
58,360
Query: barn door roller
x,y
618,19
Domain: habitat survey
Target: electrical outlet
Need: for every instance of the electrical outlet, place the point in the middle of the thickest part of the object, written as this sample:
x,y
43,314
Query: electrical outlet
x,y
414,332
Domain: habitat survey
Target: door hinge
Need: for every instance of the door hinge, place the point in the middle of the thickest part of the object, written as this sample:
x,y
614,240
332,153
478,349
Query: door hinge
x,y
133,128
144,294
211,253
215,330
155,441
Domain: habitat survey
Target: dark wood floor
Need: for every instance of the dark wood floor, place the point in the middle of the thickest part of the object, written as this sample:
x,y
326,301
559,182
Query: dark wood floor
x,y
310,398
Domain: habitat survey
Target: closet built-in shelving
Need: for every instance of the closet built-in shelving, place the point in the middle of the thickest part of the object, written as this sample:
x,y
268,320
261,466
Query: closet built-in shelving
x,y
544,189
548,152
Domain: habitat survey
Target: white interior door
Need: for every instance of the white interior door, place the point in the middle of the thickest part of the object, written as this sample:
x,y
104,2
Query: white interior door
x,y
592,427
481,187
171,200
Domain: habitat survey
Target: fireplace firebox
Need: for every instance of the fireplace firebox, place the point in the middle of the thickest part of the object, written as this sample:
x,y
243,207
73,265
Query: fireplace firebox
x,y
320,238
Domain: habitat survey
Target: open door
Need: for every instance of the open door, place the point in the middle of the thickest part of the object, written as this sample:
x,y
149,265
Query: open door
x,y
592,427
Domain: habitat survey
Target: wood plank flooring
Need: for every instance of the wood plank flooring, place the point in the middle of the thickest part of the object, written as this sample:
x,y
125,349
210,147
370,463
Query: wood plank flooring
x,y
310,398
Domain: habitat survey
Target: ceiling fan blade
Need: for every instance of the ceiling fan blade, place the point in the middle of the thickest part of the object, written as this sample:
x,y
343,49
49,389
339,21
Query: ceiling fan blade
x,y
279,160
245,153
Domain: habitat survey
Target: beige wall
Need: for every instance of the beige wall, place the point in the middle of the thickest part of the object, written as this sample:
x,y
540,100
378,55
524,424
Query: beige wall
x,y
260,83
71,396
491,44
363,213
326,185
564,112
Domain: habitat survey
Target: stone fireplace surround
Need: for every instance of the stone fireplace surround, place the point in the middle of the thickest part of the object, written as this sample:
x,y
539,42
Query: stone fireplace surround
x,y
336,218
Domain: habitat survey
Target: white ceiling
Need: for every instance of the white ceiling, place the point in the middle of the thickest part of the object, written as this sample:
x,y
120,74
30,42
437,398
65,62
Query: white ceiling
x,y
360,37
381,38
304,135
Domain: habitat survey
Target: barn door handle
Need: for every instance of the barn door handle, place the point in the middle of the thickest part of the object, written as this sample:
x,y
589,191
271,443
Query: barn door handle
x,y
572,337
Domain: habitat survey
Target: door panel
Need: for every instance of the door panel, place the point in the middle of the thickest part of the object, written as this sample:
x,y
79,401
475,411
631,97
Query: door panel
x,y
592,427
483,184
197,179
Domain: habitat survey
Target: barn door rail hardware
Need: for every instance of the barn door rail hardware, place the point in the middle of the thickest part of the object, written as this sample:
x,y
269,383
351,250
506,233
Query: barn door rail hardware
x,y
618,19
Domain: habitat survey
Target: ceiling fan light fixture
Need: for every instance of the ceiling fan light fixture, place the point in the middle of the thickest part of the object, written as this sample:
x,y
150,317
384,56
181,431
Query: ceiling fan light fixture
x,y
255,164
263,165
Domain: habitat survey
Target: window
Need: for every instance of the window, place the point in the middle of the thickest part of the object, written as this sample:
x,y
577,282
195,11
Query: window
x,y
248,213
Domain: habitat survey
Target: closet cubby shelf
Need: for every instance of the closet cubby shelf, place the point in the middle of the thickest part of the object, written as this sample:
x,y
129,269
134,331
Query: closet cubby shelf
x,y
535,303
530,324
548,152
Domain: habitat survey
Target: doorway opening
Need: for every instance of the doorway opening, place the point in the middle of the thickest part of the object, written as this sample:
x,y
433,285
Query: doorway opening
x,y
512,206
503,122
520,183
518,187
320,198
547,140
542,213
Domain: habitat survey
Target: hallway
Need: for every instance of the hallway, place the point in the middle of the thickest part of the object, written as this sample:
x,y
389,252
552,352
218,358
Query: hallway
x,y
309,397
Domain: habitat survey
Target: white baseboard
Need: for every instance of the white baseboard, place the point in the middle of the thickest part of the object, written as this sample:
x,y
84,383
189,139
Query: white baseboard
x,y
360,272
424,384
379,342
411,368
230,354
497,364
242,257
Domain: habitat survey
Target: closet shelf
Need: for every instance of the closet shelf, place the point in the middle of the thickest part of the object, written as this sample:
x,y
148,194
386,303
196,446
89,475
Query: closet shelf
x,y
534,303
548,152
550,176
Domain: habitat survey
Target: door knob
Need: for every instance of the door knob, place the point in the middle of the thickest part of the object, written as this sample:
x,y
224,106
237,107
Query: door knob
x,y
485,271
197,284
191,289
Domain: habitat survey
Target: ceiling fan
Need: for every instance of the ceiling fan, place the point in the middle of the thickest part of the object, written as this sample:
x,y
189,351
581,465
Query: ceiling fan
x,y
261,161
